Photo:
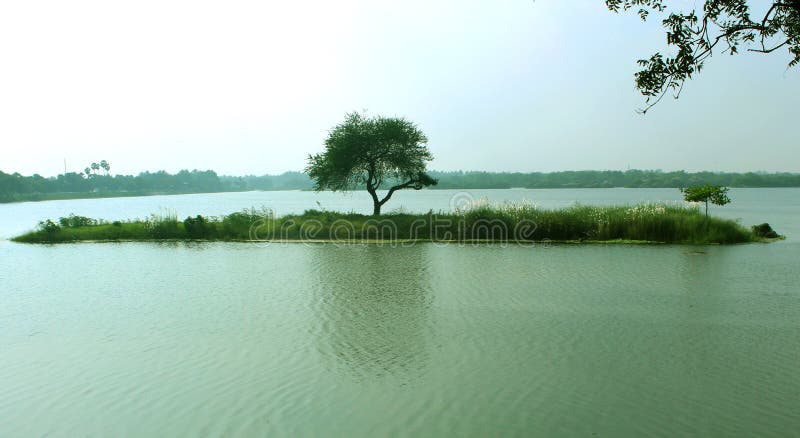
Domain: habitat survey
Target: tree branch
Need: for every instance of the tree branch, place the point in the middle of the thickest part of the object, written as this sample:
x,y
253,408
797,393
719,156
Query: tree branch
x,y
405,185
695,40
765,50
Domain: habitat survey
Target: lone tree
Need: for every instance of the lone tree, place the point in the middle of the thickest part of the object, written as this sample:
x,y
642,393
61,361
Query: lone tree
x,y
695,36
717,195
372,151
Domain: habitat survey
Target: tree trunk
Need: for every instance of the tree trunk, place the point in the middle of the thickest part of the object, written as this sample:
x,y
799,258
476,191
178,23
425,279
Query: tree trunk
x,y
376,203
706,208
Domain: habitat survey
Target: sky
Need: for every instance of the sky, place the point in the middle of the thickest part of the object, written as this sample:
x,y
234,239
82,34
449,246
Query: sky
x,y
253,87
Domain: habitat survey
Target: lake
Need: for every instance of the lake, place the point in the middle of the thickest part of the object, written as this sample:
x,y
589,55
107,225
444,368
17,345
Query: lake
x,y
259,339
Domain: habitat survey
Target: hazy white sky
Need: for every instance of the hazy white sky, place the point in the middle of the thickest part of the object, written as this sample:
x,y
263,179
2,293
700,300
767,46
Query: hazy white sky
x,y
252,87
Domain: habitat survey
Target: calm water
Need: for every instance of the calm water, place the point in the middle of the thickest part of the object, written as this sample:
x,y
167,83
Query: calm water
x,y
253,339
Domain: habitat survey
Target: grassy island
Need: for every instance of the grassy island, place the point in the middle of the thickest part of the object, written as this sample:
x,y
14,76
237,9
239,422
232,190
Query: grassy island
x,y
656,223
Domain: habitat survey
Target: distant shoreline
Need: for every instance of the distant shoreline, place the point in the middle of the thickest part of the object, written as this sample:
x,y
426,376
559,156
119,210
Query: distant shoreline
x,y
40,197
101,195
71,185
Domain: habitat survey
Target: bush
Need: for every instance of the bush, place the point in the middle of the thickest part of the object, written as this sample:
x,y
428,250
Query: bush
x,y
765,231
49,226
73,221
237,225
198,227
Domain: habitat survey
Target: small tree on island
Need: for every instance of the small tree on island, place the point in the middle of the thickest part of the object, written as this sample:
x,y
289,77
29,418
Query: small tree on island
x,y
717,195
371,151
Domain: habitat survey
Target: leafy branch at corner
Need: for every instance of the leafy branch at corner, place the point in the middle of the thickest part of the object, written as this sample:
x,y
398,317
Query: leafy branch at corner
x,y
721,25
376,152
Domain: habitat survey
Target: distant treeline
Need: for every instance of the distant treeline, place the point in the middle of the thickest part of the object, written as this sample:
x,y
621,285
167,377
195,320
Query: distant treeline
x,y
15,187
611,178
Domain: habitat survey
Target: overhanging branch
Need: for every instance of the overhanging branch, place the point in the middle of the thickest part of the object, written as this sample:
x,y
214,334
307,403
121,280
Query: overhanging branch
x,y
405,185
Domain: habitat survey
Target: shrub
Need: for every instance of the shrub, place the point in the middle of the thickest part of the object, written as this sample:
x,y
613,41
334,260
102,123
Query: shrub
x,y
764,230
73,221
237,225
198,227
49,226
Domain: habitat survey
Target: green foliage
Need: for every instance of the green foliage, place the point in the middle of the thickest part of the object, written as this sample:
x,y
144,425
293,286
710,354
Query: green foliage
x,y
482,221
609,178
100,232
163,226
765,231
15,187
284,181
76,221
49,227
199,227
695,36
237,225
371,152
715,194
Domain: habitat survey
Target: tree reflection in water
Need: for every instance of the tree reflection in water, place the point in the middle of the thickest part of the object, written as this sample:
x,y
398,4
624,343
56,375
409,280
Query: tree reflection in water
x,y
371,306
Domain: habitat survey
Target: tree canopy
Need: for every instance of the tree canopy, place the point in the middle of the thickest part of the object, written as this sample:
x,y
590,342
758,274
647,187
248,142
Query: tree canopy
x,y
725,25
372,152
715,194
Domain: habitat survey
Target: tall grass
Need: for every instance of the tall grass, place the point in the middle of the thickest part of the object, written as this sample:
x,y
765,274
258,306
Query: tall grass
x,y
164,225
479,221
